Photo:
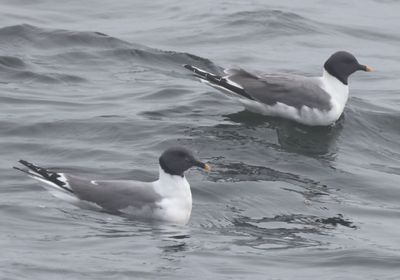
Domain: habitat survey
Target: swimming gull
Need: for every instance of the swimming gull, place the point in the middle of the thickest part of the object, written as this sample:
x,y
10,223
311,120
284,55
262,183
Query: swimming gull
x,y
307,100
168,199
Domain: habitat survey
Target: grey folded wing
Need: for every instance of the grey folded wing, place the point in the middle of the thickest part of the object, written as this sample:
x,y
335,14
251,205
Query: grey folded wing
x,y
292,90
114,195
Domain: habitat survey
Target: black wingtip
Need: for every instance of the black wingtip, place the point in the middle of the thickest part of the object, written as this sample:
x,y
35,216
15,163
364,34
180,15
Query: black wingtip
x,y
31,167
17,168
20,169
24,171
24,162
41,173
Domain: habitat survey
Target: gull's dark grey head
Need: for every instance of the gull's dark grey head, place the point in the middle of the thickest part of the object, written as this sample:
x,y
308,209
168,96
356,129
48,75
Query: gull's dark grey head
x,y
176,160
342,64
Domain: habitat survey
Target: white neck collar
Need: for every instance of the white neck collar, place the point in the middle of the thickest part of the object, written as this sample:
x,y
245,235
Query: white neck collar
x,y
338,91
331,80
170,185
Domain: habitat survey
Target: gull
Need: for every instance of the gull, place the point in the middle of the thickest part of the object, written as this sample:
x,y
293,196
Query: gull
x,y
308,100
167,199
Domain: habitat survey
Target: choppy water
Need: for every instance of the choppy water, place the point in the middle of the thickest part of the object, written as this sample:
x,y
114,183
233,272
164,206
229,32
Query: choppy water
x,y
97,85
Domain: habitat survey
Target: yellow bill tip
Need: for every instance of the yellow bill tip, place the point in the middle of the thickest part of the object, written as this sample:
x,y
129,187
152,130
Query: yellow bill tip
x,y
369,69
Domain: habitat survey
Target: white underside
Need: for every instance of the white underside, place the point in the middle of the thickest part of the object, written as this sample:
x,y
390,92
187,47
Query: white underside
x,y
176,205
306,115
309,116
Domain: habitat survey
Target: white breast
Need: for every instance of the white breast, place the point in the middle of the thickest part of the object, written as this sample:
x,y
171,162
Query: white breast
x,y
176,203
338,92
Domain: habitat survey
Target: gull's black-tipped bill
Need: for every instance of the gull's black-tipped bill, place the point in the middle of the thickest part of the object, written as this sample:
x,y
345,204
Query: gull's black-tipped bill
x,y
203,165
368,68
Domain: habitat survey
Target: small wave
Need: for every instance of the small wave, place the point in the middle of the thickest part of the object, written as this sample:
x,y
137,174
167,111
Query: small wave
x,y
25,35
33,54
280,231
366,34
270,22
282,23
50,78
239,172
12,62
